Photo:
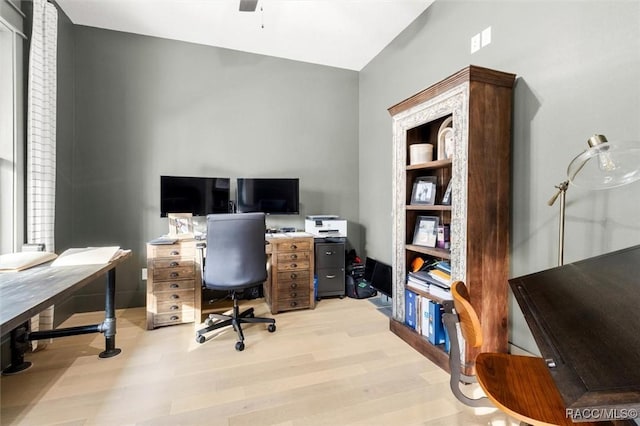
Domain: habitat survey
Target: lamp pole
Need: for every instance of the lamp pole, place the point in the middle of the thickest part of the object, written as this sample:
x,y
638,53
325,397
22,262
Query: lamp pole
x,y
562,190
562,187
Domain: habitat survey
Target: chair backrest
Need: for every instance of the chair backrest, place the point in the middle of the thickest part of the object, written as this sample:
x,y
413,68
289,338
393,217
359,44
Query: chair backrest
x,y
235,256
469,321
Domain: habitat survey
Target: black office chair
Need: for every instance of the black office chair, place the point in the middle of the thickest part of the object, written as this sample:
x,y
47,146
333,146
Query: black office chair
x,y
235,261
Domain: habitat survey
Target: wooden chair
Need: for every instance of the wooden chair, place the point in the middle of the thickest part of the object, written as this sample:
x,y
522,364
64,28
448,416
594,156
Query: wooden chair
x,y
521,386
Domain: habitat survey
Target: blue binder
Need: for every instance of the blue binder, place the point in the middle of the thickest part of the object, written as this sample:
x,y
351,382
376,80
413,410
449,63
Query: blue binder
x,y
436,334
410,308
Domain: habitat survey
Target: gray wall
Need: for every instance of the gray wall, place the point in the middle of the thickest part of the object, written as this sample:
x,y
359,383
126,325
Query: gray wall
x,y
577,65
146,107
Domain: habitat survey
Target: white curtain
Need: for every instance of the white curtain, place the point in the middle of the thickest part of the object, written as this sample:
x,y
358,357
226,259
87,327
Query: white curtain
x,y
41,135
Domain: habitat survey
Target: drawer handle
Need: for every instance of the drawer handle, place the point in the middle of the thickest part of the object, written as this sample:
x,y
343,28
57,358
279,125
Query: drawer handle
x,y
174,275
173,264
293,304
293,246
294,294
328,253
175,253
174,307
294,256
294,265
294,285
294,275
331,276
175,297
174,318
174,285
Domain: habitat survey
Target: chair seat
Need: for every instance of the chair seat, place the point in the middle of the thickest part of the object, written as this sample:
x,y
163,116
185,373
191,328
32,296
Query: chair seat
x,y
230,286
522,386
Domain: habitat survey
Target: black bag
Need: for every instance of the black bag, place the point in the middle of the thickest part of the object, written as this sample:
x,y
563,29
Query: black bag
x,y
359,288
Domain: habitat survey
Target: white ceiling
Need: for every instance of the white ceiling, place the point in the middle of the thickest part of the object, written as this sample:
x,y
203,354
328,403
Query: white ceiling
x,y
339,33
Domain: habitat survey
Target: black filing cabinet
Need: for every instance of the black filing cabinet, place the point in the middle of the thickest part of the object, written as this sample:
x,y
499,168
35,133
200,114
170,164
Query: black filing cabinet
x,y
329,267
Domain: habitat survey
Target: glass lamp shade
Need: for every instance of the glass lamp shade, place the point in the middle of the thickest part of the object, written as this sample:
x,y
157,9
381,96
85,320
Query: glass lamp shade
x,y
607,165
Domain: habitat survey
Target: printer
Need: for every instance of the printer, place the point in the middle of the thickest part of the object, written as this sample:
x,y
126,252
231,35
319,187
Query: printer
x,y
327,226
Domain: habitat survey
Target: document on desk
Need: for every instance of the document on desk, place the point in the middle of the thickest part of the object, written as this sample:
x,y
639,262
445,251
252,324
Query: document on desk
x,y
14,262
88,256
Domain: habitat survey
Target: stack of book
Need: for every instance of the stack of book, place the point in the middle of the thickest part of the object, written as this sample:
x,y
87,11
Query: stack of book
x,y
435,281
425,316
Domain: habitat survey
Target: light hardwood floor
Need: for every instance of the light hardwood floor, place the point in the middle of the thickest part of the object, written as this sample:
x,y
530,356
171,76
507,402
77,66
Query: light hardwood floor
x,y
336,365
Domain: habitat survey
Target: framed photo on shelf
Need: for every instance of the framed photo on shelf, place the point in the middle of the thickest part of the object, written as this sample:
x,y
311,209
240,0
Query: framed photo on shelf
x,y
180,225
424,190
446,198
426,231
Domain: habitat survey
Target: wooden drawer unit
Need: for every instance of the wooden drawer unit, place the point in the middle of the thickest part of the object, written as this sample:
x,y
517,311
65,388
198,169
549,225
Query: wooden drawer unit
x,y
293,261
291,245
293,290
172,282
184,249
291,274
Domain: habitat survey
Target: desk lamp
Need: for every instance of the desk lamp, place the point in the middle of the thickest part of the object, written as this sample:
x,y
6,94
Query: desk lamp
x,y
603,165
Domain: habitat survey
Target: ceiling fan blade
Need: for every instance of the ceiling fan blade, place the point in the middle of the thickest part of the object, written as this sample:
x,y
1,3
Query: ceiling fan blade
x,y
248,5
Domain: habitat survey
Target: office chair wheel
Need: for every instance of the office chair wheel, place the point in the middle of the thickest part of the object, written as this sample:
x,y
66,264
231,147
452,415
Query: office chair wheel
x,y
239,346
200,339
208,322
271,328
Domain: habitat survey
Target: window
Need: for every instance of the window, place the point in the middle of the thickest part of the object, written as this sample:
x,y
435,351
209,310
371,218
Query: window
x,y
11,139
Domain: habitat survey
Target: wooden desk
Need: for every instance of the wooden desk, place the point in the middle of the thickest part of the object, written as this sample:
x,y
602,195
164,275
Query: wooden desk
x,y
174,279
26,293
584,317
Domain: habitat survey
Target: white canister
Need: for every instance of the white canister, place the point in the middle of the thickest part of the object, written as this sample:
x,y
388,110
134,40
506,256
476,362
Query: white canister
x,y
420,153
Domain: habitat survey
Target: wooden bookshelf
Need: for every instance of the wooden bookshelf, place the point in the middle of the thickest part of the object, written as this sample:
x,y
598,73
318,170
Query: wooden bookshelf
x,y
478,103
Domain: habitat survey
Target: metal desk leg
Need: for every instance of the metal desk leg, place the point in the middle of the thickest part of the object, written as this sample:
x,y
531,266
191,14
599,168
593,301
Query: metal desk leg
x,y
19,345
109,324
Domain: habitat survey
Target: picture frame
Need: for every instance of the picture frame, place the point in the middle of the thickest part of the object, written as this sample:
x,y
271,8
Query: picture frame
x,y
426,231
180,225
446,198
424,190
444,240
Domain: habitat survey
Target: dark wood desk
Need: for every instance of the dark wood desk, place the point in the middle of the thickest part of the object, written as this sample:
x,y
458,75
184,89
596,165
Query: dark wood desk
x,y
26,293
585,318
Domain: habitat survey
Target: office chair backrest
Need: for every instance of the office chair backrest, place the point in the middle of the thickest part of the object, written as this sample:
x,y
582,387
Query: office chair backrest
x,y
235,251
469,321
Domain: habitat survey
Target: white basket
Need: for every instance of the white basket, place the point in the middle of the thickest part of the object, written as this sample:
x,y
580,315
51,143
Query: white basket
x,y
420,153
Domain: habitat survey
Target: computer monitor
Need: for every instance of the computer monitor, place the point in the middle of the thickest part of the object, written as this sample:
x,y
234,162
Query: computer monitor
x,y
199,196
369,266
379,275
268,195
